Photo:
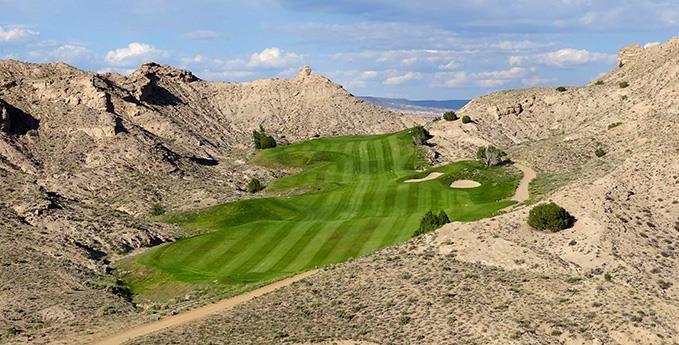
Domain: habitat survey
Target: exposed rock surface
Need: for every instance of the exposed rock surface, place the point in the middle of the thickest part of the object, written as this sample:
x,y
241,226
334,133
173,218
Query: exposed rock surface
x,y
611,279
84,156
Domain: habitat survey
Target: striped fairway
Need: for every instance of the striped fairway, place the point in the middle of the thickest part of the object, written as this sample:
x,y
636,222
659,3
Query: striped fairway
x,y
353,201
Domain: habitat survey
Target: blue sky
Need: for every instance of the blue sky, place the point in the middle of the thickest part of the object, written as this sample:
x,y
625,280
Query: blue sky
x,y
415,49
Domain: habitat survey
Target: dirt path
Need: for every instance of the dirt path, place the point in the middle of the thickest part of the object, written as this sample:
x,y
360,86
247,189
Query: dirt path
x,y
431,176
196,314
529,174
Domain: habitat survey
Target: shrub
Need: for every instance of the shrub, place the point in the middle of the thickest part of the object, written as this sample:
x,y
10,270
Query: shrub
x,y
450,116
254,186
599,82
561,89
157,209
613,125
600,152
623,84
490,155
431,221
466,119
550,217
262,140
420,135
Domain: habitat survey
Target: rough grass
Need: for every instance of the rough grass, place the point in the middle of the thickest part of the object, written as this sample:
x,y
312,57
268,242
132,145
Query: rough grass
x,y
356,203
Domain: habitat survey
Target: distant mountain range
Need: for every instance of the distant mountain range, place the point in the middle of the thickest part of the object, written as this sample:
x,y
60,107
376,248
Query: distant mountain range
x,y
422,107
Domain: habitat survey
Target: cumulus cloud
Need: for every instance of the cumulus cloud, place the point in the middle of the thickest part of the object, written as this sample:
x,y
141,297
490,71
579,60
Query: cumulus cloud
x,y
69,52
274,57
563,58
134,53
400,79
449,79
16,34
651,44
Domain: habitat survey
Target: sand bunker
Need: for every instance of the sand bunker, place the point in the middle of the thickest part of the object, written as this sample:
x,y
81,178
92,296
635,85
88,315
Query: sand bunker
x,y
431,176
464,184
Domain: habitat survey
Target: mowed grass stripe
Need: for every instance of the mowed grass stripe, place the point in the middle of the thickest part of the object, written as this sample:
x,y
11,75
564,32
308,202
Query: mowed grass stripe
x,y
352,201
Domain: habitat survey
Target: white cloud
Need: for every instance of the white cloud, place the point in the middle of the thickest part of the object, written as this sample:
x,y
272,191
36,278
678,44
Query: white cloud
x,y
409,61
450,65
16,34
134,53
367,75
205,35
400,79
274,57
491,82
449,79
651,44
511,73
69,52
563,58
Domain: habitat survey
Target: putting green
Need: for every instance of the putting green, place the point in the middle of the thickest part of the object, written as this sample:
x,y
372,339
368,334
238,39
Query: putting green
x,y
349,200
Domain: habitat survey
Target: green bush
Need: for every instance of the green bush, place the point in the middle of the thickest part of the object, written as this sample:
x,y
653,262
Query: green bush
x,y
420,135
599,82
600,152
550,217
254,186
157,209
431,221
450,116
490,156
466,119
623,84
262,140
561,89
613,125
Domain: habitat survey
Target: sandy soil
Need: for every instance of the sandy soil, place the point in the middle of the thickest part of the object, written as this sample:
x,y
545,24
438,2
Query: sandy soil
x,y
198,313
431,176
464,184
529,174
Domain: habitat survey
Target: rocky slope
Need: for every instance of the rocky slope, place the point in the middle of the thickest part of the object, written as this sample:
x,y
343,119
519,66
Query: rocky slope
x,y
612,279
84,156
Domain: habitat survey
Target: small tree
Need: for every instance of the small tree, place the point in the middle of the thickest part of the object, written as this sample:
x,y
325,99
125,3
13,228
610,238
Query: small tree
x,y
431,221
490,156
262,140
599,82
254,186
466,119
623,84
600,152
561,89
420,135
550,217
450,116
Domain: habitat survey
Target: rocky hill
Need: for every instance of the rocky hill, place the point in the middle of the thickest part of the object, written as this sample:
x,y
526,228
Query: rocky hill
x,y
612,279
84,156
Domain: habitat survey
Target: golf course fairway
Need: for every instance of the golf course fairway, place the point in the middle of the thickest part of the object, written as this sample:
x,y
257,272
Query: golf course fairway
x,y
348,199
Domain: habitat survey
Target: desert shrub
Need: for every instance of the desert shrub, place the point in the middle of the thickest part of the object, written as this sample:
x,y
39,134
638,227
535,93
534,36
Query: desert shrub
x,y
431,221
450,116
561,89
600,152
599,82
613,125
490,156
420,135
254,186
623,84
550,217
466,119
262,140
157,209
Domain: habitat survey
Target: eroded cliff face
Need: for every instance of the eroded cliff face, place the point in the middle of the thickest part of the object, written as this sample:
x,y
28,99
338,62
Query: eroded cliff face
x,y
84,156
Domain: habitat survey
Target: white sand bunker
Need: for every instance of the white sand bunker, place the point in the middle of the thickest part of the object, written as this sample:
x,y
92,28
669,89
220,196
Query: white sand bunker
x,y
431,176
464,184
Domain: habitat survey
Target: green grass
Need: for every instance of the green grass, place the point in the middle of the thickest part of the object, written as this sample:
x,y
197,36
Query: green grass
x,y
351,202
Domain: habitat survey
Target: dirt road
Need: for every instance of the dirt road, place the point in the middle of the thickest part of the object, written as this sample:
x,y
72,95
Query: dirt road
x,y
529,174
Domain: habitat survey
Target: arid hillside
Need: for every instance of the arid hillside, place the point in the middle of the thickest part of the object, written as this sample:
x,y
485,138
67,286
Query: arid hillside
x,y
85,156
612,279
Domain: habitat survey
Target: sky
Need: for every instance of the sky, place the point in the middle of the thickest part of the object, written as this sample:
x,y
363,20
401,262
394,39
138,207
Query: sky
x,y
391,48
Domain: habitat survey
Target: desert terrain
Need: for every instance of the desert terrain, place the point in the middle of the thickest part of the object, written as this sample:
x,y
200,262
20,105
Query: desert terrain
x,y
85,158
